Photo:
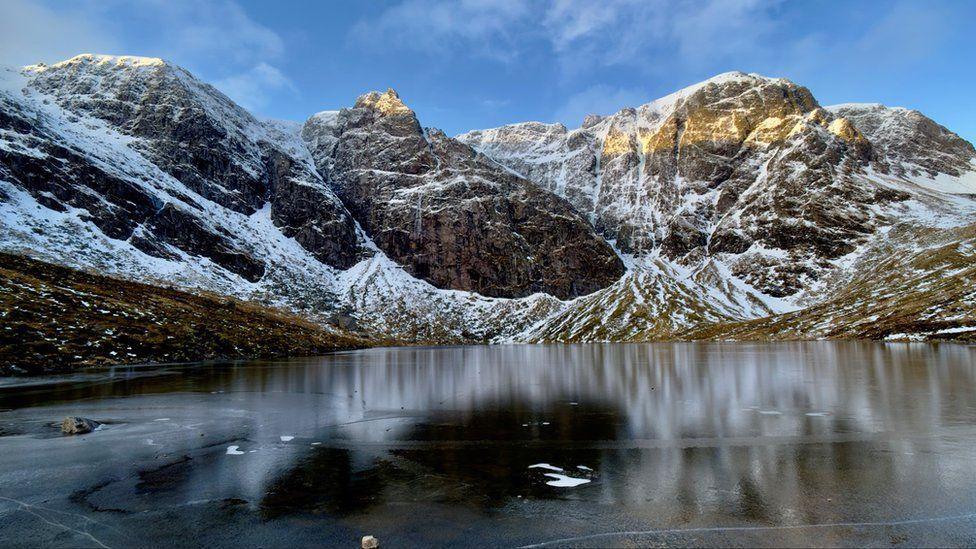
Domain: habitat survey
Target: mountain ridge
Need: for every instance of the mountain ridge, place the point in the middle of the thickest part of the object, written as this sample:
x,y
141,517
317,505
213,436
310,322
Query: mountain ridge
x,y
733,199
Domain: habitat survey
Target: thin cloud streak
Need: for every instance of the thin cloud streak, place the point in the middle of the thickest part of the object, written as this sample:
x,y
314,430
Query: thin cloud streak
x,y
443,28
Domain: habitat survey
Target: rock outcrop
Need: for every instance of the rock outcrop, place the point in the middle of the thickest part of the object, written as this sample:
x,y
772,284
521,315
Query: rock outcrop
x,y
450,215
74,425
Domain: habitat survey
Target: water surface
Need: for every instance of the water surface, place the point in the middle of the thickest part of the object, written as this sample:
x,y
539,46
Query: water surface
x,y
803,444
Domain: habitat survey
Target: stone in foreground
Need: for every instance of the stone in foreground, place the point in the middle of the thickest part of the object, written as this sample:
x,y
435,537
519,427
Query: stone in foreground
x,y
74,425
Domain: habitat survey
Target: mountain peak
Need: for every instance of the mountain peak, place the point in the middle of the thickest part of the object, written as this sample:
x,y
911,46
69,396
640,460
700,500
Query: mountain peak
x,y
725,78
89,59
386,103
738,76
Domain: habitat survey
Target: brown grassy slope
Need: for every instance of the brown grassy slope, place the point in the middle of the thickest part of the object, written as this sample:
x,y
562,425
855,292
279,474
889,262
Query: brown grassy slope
x,y
919,284
54,318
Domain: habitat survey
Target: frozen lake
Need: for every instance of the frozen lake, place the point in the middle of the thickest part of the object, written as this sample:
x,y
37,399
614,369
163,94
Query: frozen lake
x,y
738,444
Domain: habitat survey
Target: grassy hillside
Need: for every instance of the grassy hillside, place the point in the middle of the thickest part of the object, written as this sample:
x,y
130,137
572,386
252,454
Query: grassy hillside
x,y
919,284
53,319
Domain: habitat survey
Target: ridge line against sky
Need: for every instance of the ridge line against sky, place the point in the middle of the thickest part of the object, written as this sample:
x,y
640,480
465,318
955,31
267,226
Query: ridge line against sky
x,y
470,64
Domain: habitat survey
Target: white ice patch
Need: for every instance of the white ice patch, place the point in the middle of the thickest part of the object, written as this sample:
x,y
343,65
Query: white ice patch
x,y
233,451
562,481
817,414
286,438
545,466
583,468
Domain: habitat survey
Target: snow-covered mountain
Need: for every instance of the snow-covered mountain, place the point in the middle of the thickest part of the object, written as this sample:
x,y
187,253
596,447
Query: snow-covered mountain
x,y
748,170
734,199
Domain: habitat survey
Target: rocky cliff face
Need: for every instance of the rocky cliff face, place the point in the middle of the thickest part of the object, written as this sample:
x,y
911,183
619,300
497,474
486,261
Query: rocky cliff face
x,y
140,145
450,215
747,169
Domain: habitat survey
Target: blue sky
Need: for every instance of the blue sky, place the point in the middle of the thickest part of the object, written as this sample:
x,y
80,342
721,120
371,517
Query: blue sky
x,y
469,64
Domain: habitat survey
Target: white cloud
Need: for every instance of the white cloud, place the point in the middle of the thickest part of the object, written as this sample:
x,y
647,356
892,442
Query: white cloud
x,y
676,38
253,89
599,99
582,34
656,33
213,31
32,33
724,29
909,32
570,21
489,28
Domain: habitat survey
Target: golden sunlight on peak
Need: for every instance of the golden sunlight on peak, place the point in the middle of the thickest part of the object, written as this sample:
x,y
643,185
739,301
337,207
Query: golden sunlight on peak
x,y
386,103
616,143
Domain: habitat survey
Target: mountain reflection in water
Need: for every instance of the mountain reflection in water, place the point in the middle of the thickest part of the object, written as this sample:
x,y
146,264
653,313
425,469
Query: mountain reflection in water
x,y
401,440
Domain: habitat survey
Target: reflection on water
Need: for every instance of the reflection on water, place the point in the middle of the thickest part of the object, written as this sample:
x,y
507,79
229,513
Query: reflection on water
x,y
667,434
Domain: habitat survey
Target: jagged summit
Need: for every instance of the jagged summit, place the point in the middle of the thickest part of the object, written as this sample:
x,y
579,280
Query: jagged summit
x,y
387,103
167,163
731,77
450,216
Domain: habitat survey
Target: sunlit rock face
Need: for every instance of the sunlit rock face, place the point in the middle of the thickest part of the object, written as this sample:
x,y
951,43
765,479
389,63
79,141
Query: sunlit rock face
x,y
741,167
450,215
